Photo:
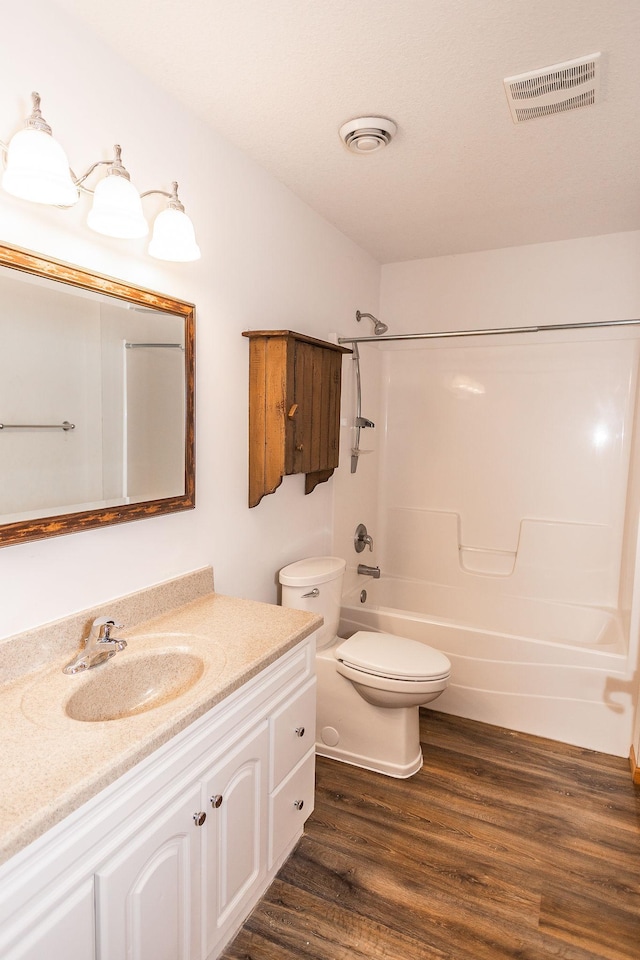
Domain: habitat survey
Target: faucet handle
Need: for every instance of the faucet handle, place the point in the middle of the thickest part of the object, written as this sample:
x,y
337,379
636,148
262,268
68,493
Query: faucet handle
x,y
362,539
106,625
102,621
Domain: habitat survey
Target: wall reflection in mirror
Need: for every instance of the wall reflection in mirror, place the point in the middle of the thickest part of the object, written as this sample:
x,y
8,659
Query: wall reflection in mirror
x,y
96,400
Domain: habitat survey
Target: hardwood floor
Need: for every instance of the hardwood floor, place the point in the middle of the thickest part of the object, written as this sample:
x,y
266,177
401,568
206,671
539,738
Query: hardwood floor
x,y
504,845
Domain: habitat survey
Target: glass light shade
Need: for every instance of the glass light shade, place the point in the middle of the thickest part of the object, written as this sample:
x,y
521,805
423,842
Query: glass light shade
x,y
117,209
38,169
174,237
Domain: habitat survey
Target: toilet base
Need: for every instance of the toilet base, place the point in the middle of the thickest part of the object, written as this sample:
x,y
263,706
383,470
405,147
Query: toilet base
x,y
376,764
351,730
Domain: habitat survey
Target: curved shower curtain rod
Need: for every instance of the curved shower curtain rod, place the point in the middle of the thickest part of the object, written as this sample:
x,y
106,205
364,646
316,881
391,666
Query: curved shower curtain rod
x,y
490,332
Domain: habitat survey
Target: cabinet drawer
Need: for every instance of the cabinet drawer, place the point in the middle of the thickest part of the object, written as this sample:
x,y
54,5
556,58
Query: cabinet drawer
x,y
293,732
290,805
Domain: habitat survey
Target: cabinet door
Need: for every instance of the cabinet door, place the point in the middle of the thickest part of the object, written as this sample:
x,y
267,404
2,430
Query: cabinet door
x,y
66,931
148,895
313,433
235,797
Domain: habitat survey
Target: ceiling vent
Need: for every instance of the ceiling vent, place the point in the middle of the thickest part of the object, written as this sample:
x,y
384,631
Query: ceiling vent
x,y
367,134
556,89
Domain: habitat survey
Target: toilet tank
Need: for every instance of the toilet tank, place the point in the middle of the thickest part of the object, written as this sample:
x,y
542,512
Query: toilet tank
x,y
301,580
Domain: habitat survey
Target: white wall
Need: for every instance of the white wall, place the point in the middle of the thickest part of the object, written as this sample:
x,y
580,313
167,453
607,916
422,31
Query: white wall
x,y
594,278
268,262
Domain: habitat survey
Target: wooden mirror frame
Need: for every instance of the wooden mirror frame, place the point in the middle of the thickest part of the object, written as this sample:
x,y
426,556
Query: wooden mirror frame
x,y
38,265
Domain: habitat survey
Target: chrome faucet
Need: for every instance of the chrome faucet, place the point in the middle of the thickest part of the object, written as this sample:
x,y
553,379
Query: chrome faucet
x,y
98,647
369,571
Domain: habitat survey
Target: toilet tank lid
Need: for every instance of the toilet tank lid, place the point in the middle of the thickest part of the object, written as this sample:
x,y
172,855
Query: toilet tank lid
x,y
304,573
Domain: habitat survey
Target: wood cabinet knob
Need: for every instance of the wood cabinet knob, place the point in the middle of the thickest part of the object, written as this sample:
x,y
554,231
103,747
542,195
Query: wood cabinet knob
x,y
199,818
299,731
298,804
216,800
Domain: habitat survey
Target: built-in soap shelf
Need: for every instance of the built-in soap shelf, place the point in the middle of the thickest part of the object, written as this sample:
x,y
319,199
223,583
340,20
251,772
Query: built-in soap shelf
x,y
494,563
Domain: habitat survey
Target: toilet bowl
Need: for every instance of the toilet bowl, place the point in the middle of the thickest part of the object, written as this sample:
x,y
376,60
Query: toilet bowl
x,y
371,685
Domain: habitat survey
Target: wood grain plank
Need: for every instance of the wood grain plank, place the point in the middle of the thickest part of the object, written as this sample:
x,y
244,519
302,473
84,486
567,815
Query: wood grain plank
x,y
275,401
333,426
257,420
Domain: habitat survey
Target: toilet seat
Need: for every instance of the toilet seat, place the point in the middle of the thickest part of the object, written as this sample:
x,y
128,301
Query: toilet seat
x,y
396,659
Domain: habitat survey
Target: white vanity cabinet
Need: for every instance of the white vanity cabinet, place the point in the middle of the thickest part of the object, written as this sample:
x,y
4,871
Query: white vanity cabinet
x,y
167,862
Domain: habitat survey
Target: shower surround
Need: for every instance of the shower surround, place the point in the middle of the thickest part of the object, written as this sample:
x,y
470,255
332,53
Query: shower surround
x,y
506,525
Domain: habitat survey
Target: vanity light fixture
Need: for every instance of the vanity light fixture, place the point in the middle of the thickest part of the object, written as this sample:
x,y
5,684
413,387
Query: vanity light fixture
x,y
37,169
117,207
173,235
36,166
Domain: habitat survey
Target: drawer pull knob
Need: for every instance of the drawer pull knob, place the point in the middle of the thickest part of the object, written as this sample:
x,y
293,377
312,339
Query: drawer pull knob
x,y
216,800
298,804
199,818
299,731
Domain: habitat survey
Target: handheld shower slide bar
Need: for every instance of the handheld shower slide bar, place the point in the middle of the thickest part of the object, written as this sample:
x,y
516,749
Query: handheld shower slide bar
x,y
359,421
490,332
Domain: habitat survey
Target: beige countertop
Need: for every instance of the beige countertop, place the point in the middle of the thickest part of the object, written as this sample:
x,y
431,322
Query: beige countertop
x,y
50,764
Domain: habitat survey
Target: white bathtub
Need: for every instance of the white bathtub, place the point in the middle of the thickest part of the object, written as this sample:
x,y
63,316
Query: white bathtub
x,y
552,669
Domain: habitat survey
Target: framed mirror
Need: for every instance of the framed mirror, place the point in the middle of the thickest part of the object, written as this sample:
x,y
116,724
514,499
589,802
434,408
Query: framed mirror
x,y
97,404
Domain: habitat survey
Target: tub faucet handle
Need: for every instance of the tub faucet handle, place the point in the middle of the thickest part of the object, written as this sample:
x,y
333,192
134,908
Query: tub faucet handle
x,y
362,539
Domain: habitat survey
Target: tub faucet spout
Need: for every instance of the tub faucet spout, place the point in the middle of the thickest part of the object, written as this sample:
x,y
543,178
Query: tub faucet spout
x,y
369,571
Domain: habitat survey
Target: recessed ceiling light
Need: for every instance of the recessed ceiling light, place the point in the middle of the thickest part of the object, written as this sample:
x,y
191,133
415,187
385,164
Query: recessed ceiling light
x,y
367,134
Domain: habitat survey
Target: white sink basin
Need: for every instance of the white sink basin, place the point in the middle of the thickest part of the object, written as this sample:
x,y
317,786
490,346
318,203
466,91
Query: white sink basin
x,y
155,670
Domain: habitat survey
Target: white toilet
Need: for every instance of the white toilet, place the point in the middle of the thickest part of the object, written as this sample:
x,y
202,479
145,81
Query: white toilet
x,y
369,686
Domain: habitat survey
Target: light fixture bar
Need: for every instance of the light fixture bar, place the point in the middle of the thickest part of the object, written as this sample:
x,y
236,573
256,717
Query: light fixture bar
x,y
37,170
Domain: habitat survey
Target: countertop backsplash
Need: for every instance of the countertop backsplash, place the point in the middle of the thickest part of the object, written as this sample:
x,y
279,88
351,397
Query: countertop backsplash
x,y
25,652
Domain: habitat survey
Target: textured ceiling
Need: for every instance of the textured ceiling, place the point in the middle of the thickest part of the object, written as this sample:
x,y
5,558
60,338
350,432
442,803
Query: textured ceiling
x,y
279,77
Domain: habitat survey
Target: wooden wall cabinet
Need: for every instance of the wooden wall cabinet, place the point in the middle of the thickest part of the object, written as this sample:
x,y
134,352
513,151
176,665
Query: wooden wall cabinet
x,y
294,409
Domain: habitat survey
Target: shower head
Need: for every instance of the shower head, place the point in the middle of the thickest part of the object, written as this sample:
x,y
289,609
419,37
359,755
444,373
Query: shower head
x,y
378,326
